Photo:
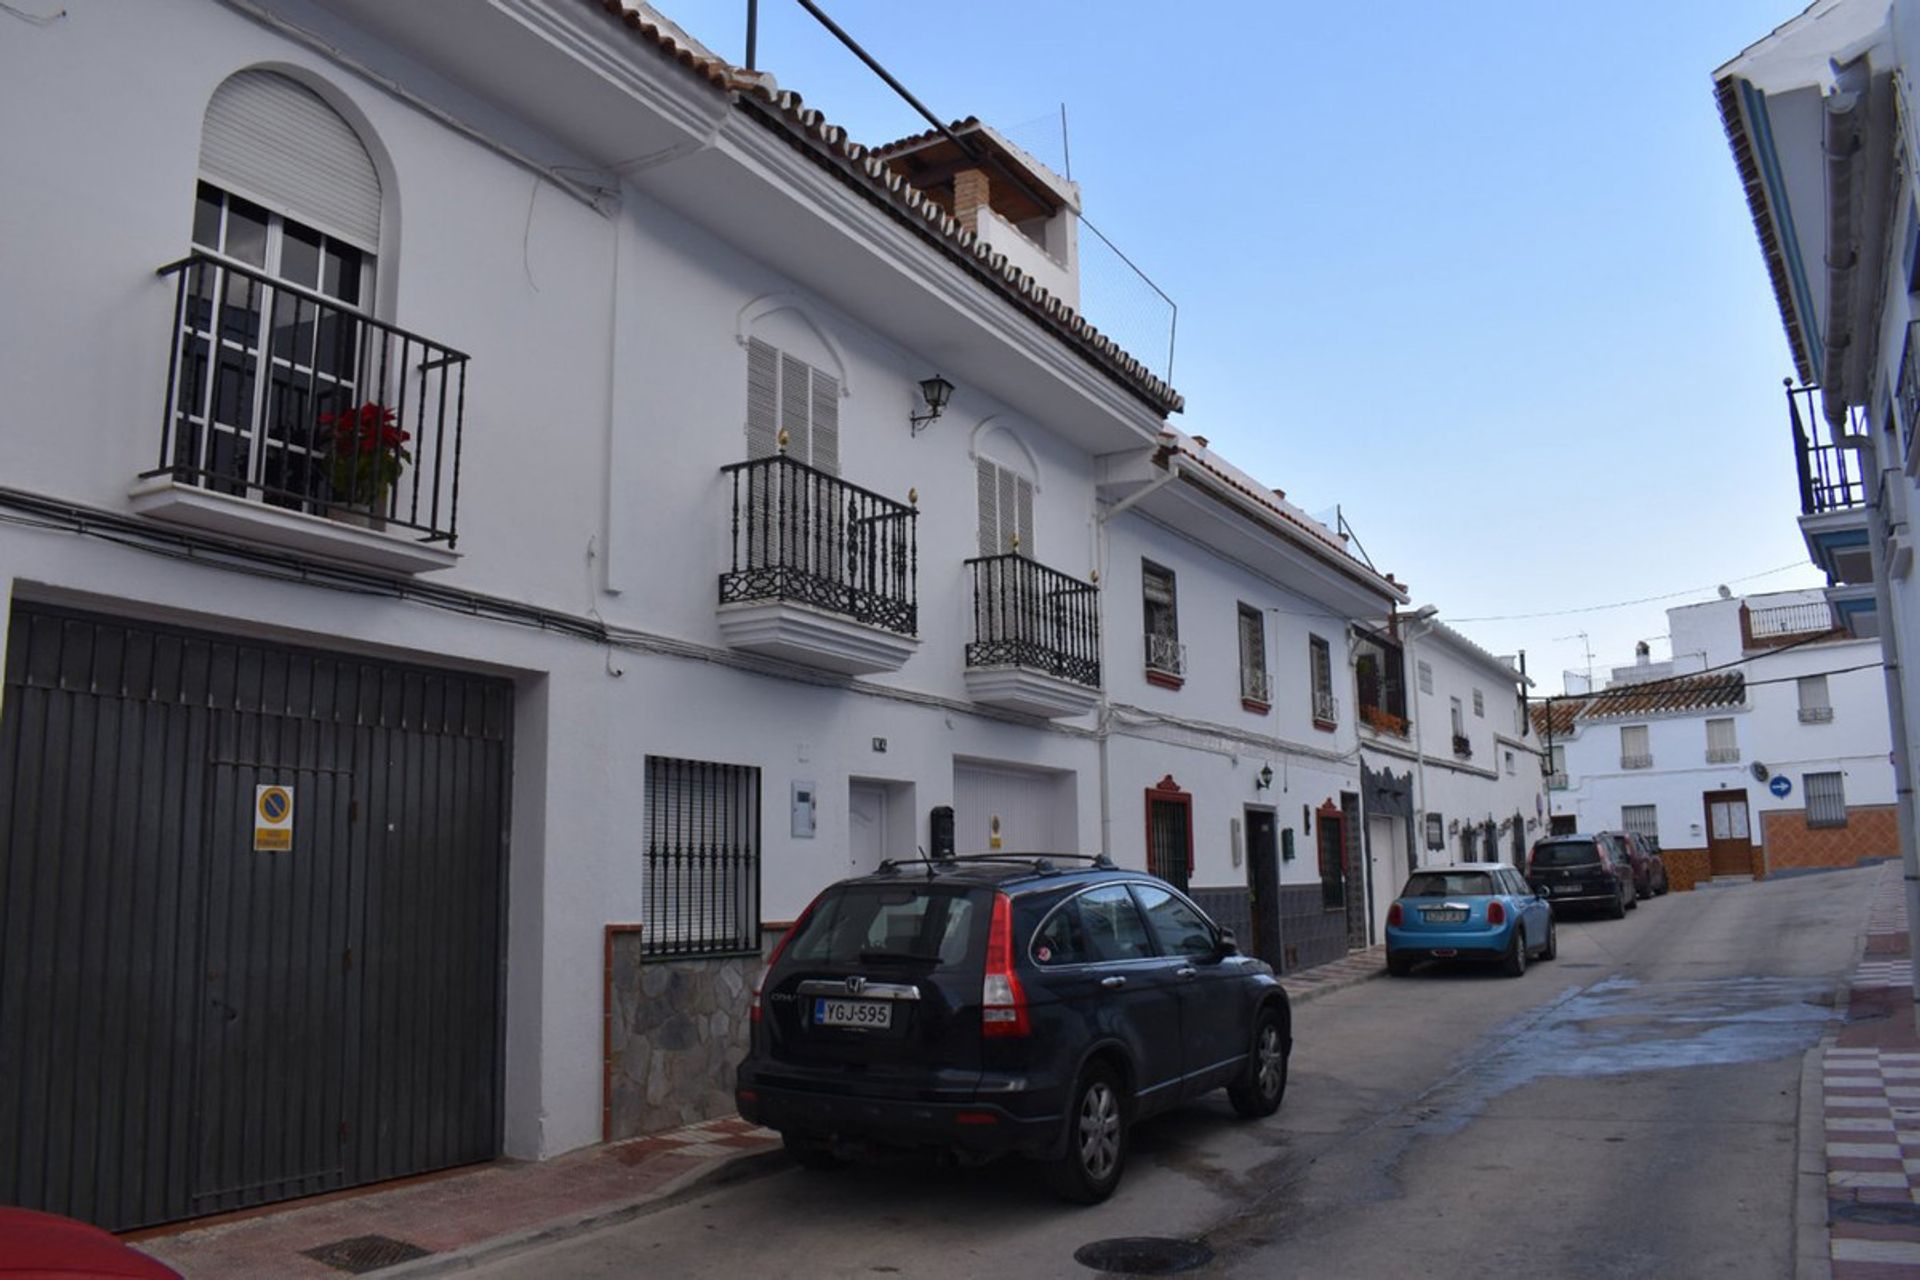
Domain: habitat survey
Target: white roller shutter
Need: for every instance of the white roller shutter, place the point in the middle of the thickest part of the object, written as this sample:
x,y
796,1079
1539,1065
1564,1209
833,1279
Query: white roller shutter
x,y
276,142
1037,810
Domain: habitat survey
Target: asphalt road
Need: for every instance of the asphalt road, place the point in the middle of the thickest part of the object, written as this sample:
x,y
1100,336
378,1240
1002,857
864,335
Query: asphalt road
x,y
1629,1109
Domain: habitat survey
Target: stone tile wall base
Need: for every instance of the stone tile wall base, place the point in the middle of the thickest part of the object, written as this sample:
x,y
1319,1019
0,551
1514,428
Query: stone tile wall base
x,y
1871,831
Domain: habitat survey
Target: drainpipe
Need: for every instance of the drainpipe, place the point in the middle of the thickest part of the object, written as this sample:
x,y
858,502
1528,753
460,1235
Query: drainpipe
x,y
1103,725
1418,624
1896,709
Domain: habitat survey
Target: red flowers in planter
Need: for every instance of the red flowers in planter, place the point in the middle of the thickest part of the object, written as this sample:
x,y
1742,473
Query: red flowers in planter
x,y
367,453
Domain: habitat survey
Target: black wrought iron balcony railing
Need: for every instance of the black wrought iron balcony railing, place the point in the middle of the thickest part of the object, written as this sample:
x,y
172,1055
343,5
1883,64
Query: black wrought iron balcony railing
x,y
1027,615
1831,477
803,536
281,395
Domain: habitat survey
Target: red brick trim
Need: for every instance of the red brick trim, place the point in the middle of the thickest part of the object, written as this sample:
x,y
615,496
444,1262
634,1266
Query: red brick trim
x,y
1254,705
1164,679
1329,725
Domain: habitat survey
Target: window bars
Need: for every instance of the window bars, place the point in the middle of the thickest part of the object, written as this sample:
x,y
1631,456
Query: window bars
x,y
702,872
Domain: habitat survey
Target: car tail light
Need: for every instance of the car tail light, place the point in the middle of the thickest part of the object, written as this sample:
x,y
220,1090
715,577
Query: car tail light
x,y
1496,913
1003,1005
753,1009
1393,914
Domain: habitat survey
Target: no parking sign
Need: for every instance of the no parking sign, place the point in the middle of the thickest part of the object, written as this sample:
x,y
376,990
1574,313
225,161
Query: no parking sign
x,y
272,819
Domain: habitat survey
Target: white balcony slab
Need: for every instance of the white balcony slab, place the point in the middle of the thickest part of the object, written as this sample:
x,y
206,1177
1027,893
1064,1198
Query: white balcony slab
x,y
399,552
813,637
1030,692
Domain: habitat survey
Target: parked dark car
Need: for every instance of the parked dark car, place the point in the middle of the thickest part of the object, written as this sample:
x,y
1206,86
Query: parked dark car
x,y
1629,847
1661,884
1003,1004
1582,870
1475,911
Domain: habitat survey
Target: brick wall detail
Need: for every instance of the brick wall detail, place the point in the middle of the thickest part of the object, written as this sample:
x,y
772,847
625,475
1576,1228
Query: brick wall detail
x,y
970,195
1686,867
1872,831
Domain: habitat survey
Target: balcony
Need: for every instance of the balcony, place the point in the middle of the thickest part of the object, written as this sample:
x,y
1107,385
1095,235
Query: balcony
x,y
1816,715
1036,638
1833,488
1256,688
1326,709
1166,660
1462,747
295,420
1556,782
1636,762
1723,755
823,573
1382,720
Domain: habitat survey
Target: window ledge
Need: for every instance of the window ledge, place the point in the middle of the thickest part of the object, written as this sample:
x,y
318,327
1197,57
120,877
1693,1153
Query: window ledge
x,y
1256,706
1330,726
163,499
1165,679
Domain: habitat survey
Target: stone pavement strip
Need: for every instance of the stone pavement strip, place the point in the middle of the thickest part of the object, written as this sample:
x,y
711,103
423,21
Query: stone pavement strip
x,y
451,1217
440,1222
1869,1072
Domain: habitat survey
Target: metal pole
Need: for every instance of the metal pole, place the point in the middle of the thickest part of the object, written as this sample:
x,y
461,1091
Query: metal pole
x,y
753,33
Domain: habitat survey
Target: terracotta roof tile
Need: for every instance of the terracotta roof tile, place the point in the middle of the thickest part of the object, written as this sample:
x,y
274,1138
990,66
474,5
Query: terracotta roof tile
x,y
866,168
1655,697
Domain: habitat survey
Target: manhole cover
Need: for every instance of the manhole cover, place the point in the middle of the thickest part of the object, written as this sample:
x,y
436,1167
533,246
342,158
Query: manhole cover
x,y
362,1254
1886,1215
1143,1255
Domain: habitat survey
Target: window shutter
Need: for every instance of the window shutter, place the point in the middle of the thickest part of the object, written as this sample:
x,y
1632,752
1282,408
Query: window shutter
x,y
763,431
987,485
275,141
1023,491
796,407
1009,503
826,422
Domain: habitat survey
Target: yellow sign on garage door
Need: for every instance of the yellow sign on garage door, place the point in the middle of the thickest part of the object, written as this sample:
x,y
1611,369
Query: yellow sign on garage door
x,y
272,819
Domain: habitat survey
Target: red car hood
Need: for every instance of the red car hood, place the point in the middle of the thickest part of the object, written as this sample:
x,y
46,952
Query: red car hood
x,y
45,1246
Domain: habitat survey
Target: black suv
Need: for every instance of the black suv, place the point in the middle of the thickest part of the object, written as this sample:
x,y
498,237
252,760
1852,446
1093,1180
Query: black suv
x,y
1005,1003
1583,870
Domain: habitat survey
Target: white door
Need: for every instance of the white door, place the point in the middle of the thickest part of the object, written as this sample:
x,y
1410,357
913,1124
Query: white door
x,y
1386,867
867,817
1002,807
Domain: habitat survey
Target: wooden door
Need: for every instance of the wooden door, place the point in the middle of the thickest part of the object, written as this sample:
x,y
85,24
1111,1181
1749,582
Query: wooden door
x,y
1263,886
1729,836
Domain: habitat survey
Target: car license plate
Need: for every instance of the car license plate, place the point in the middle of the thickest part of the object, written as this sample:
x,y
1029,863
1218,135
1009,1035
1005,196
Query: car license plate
x,y
1566,888
861,1014
1444,915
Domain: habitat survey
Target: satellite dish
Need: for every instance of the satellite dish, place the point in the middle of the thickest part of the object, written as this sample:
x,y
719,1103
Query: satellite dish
x,y
1760,773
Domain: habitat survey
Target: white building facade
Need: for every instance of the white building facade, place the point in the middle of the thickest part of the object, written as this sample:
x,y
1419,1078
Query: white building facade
x,y
481,554
1452,768
1767,751
1820,117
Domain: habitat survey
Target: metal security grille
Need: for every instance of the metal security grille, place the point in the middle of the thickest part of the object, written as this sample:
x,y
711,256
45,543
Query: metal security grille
x,y
703,858
1826,800
1641,819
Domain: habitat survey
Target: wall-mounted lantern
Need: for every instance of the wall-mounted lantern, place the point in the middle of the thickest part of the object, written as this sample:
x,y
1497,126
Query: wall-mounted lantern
x,y
936,391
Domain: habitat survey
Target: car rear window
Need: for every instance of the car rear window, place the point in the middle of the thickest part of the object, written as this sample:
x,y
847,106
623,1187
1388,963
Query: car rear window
x,y
1566,853
880,923
1442,884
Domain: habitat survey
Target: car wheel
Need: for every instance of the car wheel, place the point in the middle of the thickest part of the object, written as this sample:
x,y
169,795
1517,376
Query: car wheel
x,y
1552,949
811,1153
1399,966
1089,1169
1633,902
1261,1086
1617,908
1516,962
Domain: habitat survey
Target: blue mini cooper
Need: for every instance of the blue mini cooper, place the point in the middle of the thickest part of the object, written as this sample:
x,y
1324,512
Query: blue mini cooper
x,y
1479,911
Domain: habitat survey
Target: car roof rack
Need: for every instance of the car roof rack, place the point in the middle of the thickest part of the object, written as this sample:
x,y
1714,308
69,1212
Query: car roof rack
x,y
1041,862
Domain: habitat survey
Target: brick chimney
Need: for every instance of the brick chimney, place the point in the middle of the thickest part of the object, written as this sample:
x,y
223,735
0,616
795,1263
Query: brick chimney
x,y
971,194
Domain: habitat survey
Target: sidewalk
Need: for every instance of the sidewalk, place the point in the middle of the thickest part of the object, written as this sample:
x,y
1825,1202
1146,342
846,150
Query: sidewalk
x,y
1870,1105
441,1223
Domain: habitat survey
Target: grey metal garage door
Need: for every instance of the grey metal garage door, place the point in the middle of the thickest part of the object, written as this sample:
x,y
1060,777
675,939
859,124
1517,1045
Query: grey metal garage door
x,y
190,1022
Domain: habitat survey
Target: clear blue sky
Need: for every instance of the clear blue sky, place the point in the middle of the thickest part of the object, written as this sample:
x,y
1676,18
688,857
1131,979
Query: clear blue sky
x,y
1481,274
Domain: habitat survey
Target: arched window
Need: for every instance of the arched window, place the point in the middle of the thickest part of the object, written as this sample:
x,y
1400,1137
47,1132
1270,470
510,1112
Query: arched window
x,y
793,385
1004,486
287,218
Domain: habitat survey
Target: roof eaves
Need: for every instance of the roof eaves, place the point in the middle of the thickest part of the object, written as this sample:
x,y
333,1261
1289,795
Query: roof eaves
x,y
1728,92
863,168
